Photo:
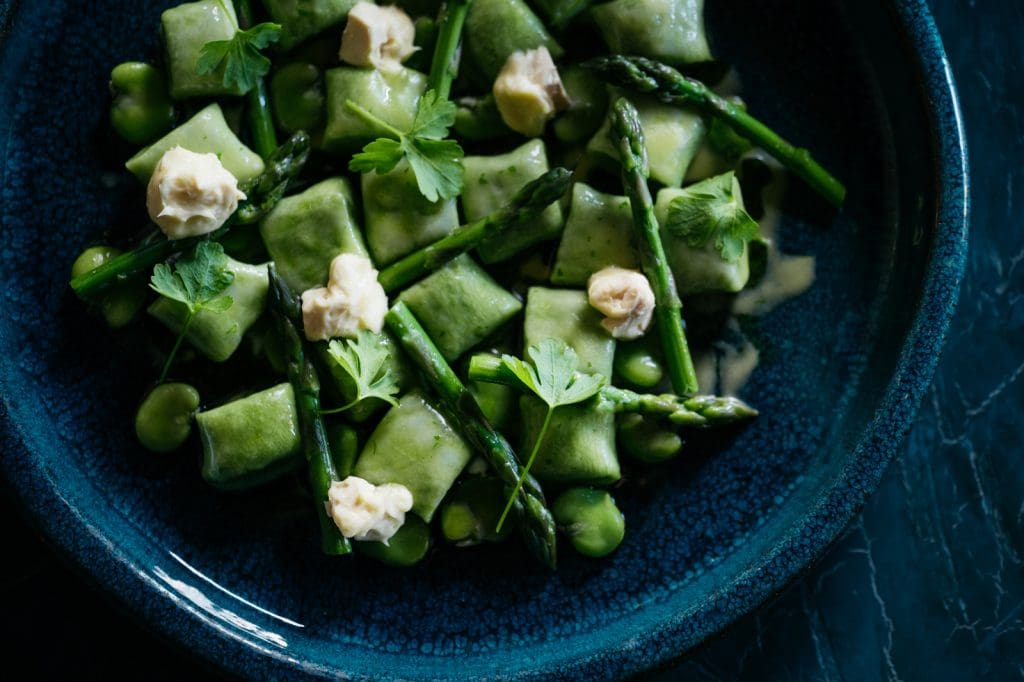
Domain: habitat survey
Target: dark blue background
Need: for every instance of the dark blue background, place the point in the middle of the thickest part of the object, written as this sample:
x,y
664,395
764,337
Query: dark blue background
x,y
927,584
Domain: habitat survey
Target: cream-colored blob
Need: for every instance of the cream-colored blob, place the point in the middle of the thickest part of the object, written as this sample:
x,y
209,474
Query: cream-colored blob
x,y
363,511
191,194
529,91
352,300
626,300
378,37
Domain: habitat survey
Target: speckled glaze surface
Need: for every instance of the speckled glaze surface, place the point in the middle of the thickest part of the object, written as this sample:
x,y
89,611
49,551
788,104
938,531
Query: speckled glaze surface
x,y
238,579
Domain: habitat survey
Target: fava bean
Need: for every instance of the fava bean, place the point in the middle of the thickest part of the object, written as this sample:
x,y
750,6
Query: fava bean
x,y
406,548
141,110
648,440
297,97
470,514
120,303
590,519
164,419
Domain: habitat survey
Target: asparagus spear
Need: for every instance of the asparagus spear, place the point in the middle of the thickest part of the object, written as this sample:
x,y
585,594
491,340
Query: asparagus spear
x,y
672,87
306,384
528,203
445,65
261,123
536,523
698,411
263,192
628,138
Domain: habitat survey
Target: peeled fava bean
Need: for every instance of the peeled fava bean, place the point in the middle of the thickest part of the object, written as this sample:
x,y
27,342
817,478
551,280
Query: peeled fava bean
x,y
647,441
164,419
141,110
406,548
119,304
297,97
590,519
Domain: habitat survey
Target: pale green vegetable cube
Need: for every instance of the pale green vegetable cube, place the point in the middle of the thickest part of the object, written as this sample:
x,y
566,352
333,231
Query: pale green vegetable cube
x,y
391,97
187,28
460,305
205,133
398,218
252,440
497,28
217,335
598,233
565,314
699,269
302,19
580,443
673,136
415,445
670,31
305,232
491,182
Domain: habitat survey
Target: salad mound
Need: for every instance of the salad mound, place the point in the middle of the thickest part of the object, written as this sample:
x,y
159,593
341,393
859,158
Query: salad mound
x,y
434,255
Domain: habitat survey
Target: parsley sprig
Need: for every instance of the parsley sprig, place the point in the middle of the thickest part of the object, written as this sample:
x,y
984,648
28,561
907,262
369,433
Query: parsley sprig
x,y
435,161
198,281
244,64
713,209
364,359
553,376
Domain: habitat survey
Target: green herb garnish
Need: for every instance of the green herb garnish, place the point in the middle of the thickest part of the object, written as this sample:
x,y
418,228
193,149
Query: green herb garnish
x,y
364,359
553,377
197,281
435,161
713,209
244,64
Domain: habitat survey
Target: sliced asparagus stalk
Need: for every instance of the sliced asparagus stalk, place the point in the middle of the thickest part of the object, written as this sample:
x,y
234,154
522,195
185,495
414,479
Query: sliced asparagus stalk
x,y
535,520
672,87
306,385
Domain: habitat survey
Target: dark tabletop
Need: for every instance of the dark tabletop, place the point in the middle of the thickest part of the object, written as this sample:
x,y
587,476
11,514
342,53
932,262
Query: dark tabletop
x,y
928,584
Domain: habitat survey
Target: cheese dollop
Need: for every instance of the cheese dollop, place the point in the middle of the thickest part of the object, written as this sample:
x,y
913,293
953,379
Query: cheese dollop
x,y
379,37
363,511
190,194
529,91
352,300
626,300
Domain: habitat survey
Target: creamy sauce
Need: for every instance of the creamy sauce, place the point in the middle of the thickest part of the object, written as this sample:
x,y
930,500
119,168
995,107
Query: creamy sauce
x,y
785,276
727,366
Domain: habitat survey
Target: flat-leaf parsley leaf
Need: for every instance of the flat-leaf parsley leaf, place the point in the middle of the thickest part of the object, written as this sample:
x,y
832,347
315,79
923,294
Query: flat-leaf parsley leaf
x,y
364,359
197,281
244,64
435,161
553,376
713,209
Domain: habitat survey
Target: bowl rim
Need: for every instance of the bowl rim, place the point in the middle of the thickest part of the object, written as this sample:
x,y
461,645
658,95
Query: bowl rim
x,y
111,569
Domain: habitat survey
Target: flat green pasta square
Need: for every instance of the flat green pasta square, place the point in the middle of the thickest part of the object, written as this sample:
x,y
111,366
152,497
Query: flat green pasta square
x,y
252,440
302,19
187,28
566,314
698,270
305,232
414,445
217,335
205,133
598,233
580,444
460,305
671,31
398,218
391,97
673,136
492,181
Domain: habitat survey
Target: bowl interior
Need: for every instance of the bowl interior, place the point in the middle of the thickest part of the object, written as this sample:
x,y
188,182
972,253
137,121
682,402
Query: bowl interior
x,y
239,578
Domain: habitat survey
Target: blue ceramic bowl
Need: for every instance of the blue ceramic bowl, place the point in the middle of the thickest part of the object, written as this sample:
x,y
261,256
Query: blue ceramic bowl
x,y
238,580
